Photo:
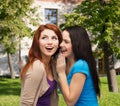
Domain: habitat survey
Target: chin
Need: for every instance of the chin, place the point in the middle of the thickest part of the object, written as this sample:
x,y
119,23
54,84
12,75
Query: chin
x,y
49,55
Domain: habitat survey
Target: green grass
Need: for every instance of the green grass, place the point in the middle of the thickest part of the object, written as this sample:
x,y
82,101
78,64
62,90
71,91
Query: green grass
x,y
109,98
10,93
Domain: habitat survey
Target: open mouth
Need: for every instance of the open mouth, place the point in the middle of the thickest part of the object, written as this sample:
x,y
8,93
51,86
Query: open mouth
x,y
49,48
63,50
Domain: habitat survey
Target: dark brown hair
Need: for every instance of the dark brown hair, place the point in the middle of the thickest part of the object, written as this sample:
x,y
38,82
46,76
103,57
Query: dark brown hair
x,y
82,49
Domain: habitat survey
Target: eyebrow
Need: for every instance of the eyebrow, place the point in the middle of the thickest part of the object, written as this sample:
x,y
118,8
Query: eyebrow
x,y
66,40
48,35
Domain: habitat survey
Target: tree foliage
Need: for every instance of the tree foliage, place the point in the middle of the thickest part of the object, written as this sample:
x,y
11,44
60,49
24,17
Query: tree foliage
x,y
12,25
15,15
103,22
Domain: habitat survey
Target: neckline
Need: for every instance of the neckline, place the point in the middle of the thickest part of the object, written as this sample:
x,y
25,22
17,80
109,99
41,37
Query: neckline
x,y
50,80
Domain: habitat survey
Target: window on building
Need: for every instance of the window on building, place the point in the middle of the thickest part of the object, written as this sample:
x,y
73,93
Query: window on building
x,y
51,15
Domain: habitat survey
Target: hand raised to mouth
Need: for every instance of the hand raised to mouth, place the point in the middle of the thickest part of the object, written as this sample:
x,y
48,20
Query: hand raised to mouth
x,y
61,64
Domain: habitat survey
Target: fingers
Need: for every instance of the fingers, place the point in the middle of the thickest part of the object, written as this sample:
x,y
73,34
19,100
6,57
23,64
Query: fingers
x,y
61,64
60,59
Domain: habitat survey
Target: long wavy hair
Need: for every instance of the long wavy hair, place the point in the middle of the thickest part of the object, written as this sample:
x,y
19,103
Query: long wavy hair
x,y
82,49
34,52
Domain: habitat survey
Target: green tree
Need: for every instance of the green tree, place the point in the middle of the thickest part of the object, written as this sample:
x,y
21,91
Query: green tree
x,y
12,25
101,19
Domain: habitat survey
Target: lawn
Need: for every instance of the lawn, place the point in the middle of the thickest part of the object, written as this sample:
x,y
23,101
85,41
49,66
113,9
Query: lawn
x,y
10,93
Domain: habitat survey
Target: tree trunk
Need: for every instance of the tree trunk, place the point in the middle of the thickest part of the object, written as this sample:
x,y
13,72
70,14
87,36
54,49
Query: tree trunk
x,y
12,73
20,60
108,59
109,67
114,85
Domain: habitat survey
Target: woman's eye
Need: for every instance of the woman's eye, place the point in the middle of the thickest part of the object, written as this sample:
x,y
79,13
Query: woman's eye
x,y
44,37
55,38
66,41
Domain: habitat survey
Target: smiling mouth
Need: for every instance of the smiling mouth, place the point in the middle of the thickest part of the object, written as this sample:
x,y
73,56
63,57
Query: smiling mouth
x,y
63,50
50,48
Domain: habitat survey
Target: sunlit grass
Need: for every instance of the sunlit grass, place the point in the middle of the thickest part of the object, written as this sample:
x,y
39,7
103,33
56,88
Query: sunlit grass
x,y
109,98
10,93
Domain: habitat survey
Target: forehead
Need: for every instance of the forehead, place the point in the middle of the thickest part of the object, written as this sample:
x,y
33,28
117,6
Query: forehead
x,y
48,32
65,35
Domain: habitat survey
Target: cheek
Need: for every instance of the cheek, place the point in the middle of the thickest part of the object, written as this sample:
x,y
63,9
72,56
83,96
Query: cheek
x,y
40,42
41,45
70,48
56,44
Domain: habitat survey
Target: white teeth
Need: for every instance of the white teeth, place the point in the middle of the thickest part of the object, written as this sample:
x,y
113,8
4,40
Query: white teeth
x,y
49,47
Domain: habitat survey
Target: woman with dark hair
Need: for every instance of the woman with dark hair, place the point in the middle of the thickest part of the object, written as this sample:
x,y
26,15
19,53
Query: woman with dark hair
x,y
76,68
39,87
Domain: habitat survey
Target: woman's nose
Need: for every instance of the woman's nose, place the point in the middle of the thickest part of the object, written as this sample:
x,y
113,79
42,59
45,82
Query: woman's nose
x,y
61,44
49,41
